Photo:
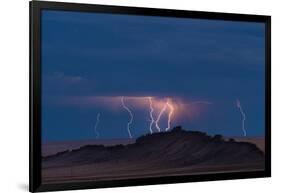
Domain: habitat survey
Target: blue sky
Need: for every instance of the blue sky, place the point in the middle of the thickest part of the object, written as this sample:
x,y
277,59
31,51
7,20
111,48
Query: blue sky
x,y
90,60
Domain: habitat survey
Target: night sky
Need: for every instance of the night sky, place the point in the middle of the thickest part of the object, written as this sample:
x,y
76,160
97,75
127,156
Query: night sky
x,y
91,60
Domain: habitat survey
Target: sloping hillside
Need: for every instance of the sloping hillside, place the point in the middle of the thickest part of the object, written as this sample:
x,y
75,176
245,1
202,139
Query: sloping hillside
x,y
174,149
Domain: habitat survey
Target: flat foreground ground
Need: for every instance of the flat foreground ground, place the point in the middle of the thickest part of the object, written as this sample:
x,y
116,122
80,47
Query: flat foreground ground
x,y
96,173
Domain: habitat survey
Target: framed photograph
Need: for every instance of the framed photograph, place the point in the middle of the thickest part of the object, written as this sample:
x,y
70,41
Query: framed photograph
x,y
124,96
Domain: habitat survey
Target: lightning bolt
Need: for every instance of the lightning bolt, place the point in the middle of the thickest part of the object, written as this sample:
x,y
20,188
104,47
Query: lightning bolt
x,y
159,117
169,115
96,126
238,104
152,120
131,116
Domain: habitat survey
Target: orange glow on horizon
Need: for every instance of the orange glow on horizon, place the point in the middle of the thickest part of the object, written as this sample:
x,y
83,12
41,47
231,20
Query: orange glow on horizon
x,y
174,107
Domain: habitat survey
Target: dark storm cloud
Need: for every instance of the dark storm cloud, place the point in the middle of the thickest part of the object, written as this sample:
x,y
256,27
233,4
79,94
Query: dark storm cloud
x,y
121,55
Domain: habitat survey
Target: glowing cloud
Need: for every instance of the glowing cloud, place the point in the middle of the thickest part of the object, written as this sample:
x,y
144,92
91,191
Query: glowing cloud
x,y
174,108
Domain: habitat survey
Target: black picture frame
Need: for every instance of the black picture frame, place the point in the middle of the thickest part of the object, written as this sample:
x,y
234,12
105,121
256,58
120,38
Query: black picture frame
x,y
35,94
